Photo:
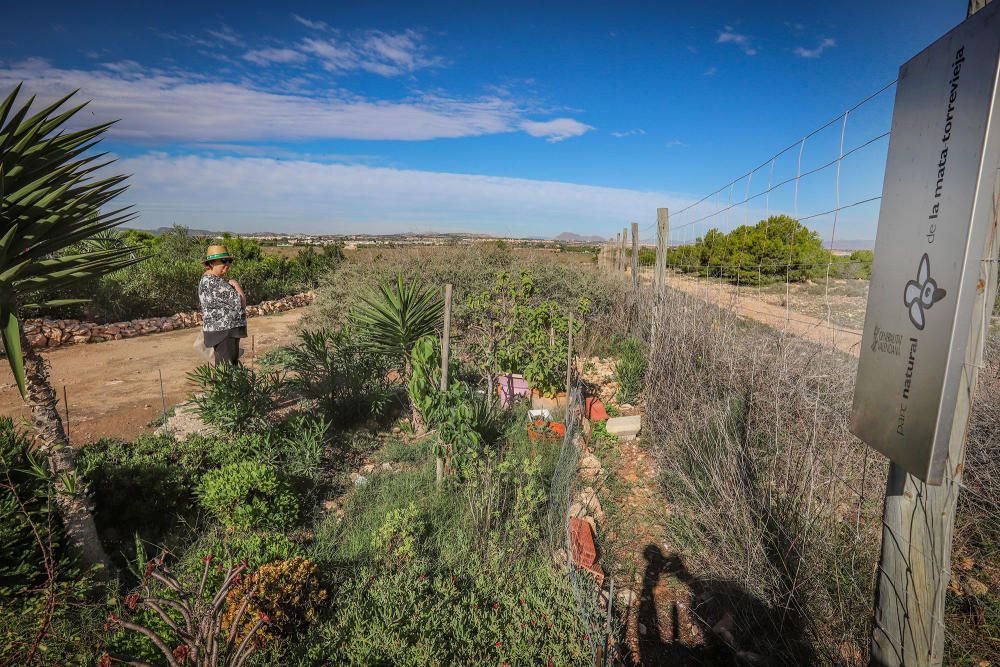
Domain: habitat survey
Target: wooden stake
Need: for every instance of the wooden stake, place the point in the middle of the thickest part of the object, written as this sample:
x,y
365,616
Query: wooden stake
x,y
445,348
569,359
635,256
624,266
163,398
66,408
660,277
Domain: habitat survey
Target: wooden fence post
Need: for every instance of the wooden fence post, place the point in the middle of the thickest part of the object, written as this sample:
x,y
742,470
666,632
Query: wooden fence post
x,y
660,275
569,360
445,348
919,520
635,256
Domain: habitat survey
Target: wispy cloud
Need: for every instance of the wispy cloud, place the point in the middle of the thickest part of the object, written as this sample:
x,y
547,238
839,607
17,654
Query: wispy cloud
x,y
825,44
312,25
282,56
556,129
386,54
227,35
674,143
729,36
182,106
710,71
262,193
620,134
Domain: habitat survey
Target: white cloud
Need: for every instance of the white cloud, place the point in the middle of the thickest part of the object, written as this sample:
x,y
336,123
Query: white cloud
x,y
227,35
730,36
248,194
158,106
827,43
312,25
281,56
711,71
382,53
673,143
556,129
628,133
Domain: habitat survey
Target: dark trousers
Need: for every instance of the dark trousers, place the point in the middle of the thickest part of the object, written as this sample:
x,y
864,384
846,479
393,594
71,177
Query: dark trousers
x,y
227,351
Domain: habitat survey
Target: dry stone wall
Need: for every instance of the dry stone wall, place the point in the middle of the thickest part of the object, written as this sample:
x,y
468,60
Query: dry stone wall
x,y
45,333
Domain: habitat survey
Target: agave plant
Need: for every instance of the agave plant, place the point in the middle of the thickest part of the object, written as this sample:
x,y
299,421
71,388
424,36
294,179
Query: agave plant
x,y
50,202
394,317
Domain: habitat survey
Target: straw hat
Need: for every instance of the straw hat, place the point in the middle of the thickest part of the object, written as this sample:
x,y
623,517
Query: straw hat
x,y
216,252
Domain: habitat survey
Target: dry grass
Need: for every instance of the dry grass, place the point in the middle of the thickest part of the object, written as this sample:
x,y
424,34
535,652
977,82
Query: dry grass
x,y
777,505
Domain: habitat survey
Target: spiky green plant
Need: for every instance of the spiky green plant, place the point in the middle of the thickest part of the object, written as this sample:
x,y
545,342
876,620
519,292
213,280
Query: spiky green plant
x,y
51,200
393,317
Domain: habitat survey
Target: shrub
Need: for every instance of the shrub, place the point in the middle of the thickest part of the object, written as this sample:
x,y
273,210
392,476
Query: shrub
x,y
254,547
248,494
287,593
234,398
630,369
301,445
144,486
346,379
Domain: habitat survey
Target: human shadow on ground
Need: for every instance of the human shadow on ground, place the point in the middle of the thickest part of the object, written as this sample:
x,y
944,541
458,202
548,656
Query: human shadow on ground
x,y
737,628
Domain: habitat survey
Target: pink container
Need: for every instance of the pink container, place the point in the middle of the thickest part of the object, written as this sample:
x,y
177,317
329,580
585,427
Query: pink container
x,y
511,386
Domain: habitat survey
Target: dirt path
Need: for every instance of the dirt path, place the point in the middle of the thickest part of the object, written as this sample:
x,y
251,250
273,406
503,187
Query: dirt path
x,y
777,317
113,388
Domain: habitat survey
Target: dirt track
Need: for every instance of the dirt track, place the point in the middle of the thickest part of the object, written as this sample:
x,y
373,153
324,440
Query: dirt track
x,y
777,317
114,387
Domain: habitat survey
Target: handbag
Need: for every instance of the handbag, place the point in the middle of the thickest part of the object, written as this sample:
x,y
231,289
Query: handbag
x,y
208,353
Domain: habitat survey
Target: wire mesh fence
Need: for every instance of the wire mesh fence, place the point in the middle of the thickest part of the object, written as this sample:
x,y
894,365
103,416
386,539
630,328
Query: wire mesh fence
x,y
753,312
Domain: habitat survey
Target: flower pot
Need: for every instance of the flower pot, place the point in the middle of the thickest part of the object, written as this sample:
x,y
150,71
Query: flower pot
x,y
556,432
539,402
511,386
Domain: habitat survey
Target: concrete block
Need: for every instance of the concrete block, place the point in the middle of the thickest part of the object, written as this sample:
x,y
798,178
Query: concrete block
x,y
626,428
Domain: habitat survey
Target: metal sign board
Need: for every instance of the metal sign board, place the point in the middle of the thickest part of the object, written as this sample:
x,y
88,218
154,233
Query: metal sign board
x,y
936,214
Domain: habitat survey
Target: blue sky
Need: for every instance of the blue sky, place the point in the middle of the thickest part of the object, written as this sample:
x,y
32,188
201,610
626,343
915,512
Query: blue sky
x,y
524,119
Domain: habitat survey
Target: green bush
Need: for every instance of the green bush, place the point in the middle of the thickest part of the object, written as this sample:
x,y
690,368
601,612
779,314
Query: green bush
x,y
166,282
335,369
233,398
248,495
145,486
230,547
630,370
757,254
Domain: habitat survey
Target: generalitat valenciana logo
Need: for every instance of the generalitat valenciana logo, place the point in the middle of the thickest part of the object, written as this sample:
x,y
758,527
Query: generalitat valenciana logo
x,y
922,293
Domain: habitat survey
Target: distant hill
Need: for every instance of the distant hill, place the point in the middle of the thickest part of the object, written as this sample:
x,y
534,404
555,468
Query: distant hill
x,y
851,244
570,236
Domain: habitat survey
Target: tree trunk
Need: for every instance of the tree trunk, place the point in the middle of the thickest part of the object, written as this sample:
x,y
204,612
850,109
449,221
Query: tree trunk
x,y
416,419
73,506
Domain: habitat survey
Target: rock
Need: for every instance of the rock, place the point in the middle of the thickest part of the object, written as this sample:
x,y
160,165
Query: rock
x,y
360,480
975,587
559,557
590,522
626,428
590,467
577,510
724,630
626,597
588,498
330,505
367,469
642,628
749,658
386,466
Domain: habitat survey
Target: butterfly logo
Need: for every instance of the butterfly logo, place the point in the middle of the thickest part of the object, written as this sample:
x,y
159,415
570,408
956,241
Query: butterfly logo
x,y
922,293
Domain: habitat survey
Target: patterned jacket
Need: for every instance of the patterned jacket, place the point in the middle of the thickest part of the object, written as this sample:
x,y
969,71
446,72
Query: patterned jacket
x,y
221,306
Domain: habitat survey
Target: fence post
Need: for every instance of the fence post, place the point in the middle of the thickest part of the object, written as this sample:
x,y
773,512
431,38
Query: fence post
x,y
635,256
624,266
660,276
662,234
918,520
66,408
569,360
445,348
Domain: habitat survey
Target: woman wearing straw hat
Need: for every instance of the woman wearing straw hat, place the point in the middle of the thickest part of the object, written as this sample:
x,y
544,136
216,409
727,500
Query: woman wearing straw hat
x,y
223,306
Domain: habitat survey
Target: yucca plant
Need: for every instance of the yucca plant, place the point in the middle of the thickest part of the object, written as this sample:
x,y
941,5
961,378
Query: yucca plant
x,y
50,201
393,317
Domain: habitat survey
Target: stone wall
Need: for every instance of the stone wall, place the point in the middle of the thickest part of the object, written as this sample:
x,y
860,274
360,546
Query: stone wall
x,y
45,333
